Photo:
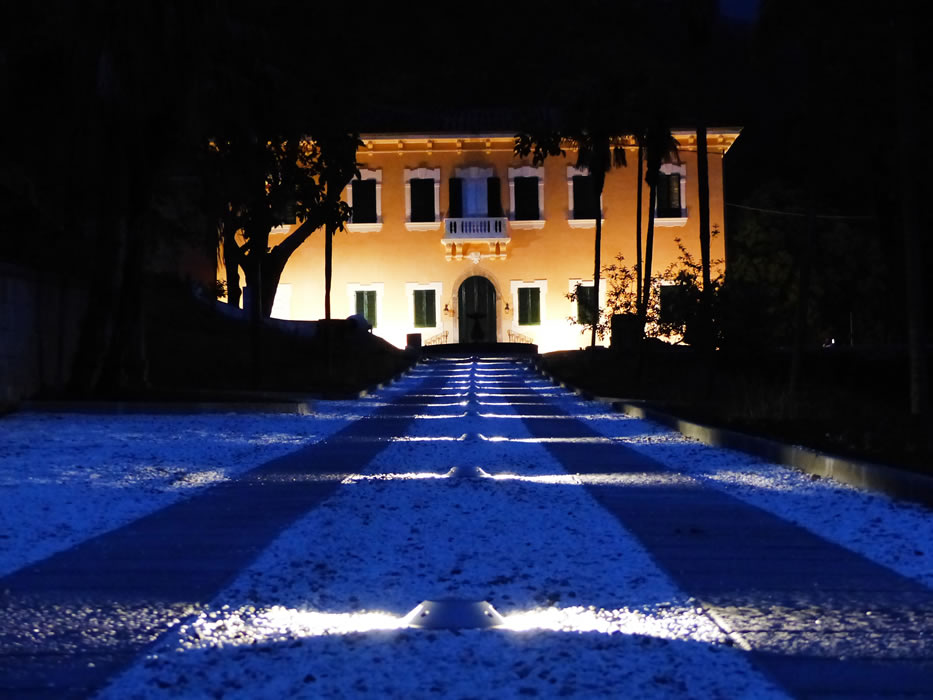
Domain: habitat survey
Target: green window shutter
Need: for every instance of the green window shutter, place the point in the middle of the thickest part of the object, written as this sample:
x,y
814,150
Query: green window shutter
x,y
425,312
366,306
529,306
584,199
493,197
585,296
456,198
364,201
422,199
526,199
668,195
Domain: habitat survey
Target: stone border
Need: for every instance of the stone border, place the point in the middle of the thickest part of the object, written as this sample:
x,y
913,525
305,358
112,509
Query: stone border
x,y
256,403
894,482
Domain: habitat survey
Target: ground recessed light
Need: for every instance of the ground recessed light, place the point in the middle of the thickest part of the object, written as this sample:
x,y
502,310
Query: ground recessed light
x,y
453,614
463,472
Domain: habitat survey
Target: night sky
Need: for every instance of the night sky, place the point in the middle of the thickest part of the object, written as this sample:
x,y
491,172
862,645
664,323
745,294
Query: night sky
x,y
745,10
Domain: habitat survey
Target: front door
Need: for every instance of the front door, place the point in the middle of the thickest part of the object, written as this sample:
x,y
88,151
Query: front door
x,y
477,311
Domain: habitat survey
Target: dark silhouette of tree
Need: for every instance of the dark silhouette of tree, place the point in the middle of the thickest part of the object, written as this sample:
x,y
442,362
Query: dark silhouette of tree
x,y
659,144
700,18
276,181
108,99
914,258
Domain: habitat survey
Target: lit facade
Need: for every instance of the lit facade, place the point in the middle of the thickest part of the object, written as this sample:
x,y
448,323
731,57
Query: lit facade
x,y
457,239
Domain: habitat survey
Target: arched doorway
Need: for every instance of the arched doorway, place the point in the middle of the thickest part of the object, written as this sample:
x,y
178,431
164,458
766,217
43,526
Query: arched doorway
x,y
477,305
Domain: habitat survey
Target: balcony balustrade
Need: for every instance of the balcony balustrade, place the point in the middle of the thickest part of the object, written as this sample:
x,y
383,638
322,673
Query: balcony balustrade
x,y
481,228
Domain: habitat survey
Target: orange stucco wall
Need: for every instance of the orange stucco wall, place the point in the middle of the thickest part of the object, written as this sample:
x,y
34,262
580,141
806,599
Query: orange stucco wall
x,y
395,258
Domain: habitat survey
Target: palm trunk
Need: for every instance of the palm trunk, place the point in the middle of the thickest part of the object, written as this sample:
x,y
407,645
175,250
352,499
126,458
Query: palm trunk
x,y
328,266
596,263
649,254
913,247
638,208
803,300
706,298
231,263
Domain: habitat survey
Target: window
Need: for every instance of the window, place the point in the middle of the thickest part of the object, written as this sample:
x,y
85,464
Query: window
x,y
584,198
526,193
528,302
668,194
671,205
585,300
585,206
474,193
365,199
526,199
422,188
366,300
366,305
425,308
422,199
529,306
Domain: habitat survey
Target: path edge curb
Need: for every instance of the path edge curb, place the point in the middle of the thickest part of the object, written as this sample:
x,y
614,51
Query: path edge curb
x,y
870,476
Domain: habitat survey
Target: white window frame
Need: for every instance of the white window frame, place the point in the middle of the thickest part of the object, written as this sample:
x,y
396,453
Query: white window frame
x,y
673,221
410,288
377,287
526,171
580,223
416,173
514,286
371,227
600,294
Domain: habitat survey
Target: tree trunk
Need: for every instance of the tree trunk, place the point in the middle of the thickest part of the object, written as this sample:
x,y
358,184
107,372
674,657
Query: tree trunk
x,y
638,208
106,289
706,298
649,254
328,266
232,256
596,262
914,254
805,254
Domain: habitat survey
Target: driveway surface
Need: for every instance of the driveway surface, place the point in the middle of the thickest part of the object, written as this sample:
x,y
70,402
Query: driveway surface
x,y
800,614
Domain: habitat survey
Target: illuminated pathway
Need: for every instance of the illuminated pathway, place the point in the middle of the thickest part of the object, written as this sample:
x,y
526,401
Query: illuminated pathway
x,y
617,576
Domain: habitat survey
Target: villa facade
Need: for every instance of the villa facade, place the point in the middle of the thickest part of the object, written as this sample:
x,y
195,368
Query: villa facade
x,y
457,239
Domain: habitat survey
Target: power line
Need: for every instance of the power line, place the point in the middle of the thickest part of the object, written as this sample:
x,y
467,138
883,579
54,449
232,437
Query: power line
x,y
801,214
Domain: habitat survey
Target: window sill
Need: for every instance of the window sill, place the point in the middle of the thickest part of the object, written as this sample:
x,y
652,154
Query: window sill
x,y
526,223
364,228
423,225
584,223
670,221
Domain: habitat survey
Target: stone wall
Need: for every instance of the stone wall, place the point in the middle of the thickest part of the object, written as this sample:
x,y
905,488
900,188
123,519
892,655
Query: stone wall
x,y
40,319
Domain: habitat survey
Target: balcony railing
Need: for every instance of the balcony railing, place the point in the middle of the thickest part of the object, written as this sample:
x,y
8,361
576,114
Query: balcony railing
x,y
480,228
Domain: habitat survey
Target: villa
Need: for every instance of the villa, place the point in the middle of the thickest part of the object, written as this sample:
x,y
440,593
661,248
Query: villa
x,y
455,238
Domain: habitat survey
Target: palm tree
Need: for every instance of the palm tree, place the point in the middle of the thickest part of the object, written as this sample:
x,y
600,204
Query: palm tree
x,y
700,17
599,148
658,144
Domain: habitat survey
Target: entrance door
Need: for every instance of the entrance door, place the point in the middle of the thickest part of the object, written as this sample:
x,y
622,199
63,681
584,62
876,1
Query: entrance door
x,y
477,311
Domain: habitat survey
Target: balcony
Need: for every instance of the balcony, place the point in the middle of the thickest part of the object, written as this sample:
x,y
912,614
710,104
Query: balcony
x,y
476,238
477,229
